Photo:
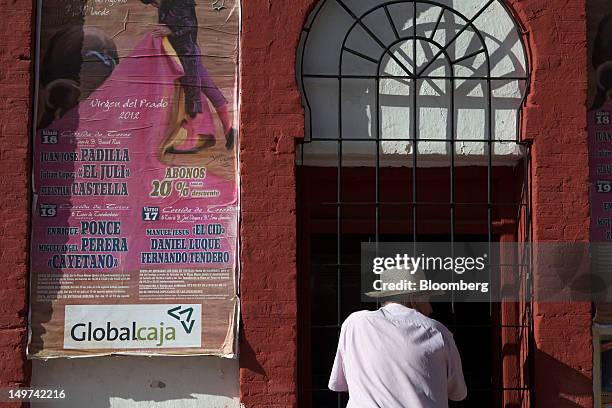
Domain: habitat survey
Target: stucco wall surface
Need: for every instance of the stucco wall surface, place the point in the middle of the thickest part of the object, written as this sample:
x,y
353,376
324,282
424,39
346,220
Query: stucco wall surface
x,y
140,382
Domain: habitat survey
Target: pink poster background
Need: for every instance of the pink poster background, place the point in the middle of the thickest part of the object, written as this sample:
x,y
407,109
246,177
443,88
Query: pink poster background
x,y
600,157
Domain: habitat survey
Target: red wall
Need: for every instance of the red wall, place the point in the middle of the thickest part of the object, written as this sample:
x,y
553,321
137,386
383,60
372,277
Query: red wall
x,y
272,116
271,119
555,119
15,97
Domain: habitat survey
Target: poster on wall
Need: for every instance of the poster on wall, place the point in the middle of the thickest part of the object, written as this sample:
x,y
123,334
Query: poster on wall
x,y
135,205
599,118
599,20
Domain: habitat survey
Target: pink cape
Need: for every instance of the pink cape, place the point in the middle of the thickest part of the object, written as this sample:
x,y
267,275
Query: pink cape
x,y
135,109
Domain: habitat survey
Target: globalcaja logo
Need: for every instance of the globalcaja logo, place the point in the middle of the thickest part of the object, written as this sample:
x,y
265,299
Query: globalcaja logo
x,y
184,316
132,326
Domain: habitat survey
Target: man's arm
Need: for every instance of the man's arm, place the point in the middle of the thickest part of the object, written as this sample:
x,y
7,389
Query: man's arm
x,y
457,390
337,379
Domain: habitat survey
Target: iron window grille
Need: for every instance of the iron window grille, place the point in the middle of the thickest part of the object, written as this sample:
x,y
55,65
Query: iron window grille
x,y
411,56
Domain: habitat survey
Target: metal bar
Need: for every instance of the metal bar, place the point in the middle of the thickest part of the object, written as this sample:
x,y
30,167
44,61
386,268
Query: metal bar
x,y
397,36
339,211
415,38
434,86
357,53
408,203
415,143
346,265
377,187
458,60
433,33
452,180
349,139
490,175
473,389
372,35
452,40
462,326
531,343
304,94
453,138
464,78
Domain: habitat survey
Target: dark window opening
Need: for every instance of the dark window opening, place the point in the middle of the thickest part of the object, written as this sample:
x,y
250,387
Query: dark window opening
x,y
329,275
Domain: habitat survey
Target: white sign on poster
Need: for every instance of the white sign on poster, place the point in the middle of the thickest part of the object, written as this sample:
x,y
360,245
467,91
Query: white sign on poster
x,y
132,326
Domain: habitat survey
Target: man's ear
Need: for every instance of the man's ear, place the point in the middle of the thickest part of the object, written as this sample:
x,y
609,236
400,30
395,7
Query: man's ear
x,y
61,95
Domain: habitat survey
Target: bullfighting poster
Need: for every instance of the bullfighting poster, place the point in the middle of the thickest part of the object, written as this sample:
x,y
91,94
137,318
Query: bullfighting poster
x,y
599,118
599,23
135,205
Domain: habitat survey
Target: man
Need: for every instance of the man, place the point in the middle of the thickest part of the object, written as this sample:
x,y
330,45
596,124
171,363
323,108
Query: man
x,y
397,357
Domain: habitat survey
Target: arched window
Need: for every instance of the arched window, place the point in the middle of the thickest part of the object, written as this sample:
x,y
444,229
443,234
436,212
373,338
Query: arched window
x,y
413,118
397,71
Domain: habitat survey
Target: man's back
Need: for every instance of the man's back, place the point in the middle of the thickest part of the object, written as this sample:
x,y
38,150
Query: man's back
x,y
396,357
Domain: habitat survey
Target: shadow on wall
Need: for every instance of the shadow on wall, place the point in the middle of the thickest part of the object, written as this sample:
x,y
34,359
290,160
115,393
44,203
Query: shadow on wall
x,y
570,384
120,382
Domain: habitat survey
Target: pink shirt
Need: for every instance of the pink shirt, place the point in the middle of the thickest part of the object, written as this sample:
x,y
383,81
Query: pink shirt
x,y
396,357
